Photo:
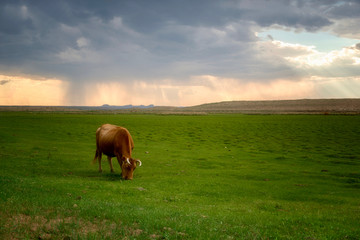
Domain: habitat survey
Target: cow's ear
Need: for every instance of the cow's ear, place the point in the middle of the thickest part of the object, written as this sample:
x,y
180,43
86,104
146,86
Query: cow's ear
x,y
138,161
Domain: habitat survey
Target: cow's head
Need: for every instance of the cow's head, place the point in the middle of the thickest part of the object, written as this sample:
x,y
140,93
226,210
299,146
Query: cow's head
x,y
128,166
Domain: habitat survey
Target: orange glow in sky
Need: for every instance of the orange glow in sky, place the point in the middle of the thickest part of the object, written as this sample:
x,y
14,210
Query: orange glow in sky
x,y
15,90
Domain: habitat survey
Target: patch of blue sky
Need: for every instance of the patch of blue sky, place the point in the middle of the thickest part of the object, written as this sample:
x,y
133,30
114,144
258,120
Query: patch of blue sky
x,y
323,41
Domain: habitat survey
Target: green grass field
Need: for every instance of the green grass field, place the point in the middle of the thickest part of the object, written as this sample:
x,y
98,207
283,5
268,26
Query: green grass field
x,y
203,177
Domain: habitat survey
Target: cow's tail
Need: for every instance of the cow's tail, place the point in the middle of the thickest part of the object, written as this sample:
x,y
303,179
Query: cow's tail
x,y
97,146
96,157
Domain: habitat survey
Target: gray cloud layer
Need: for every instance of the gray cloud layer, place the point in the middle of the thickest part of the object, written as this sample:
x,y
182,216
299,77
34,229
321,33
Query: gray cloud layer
x,y
125,40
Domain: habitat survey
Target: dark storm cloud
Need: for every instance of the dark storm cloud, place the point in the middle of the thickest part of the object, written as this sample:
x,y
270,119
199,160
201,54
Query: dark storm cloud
x,y
345,9
284,13
126,40
13,20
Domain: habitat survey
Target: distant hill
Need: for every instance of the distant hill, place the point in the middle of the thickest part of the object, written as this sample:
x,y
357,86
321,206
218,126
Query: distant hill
x,y
113,107
126,106
302,106
319,106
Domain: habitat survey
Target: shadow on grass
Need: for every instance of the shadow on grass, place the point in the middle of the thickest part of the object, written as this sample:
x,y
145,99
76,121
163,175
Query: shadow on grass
x,y
104,176
111,177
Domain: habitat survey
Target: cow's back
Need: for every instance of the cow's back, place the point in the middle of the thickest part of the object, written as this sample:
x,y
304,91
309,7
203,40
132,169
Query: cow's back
x,y
113,140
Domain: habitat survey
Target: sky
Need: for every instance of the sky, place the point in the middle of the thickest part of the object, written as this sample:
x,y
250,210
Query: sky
x,y
177,53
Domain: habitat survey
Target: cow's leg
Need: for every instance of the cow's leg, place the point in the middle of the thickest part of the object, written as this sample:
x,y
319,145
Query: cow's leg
x,y
120,159
99,159
111,165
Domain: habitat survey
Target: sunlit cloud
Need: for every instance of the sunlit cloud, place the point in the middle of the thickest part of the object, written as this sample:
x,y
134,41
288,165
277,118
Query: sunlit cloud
x,y
345,56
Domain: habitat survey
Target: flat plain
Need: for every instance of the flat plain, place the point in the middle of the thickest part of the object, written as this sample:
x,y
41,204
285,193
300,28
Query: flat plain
x,y
214,176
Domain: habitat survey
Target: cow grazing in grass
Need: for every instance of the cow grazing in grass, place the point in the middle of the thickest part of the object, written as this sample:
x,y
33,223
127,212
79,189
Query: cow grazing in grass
x,y
115,141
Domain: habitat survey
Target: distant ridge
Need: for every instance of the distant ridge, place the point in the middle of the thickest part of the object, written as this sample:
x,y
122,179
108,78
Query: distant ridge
x,y
346,105
113,107
301,106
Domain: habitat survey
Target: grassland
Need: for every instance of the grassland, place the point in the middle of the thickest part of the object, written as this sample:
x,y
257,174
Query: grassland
x,y
203,177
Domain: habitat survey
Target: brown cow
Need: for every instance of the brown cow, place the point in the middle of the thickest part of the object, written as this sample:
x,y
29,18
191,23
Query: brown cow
x,y
115,141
